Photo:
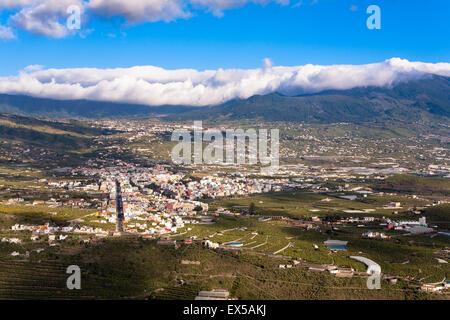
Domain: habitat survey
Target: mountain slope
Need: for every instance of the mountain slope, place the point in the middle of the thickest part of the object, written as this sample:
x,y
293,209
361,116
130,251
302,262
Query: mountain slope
x,y
72,109
31,132
426,99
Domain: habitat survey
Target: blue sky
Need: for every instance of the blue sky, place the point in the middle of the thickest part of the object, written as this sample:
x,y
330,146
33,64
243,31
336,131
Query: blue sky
x,y
318,32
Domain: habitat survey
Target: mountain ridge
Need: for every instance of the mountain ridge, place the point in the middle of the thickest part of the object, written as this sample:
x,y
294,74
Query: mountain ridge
x,y
425,100
80,109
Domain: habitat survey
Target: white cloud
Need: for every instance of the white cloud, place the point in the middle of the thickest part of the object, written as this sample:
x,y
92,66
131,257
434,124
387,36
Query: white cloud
x,y
45,17
218,6
16,3
141,10
33,68
48,17
166,10
6,33
151,85
267,63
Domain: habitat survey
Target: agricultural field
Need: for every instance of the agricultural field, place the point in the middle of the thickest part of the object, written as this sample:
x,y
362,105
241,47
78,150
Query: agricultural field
x,y
304,204
126,268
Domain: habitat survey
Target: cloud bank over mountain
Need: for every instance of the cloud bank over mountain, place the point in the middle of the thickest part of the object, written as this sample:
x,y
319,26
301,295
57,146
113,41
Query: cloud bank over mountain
x,y
150,85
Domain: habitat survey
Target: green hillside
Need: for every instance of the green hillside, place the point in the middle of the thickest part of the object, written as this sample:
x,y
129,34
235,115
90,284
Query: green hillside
x,y
415,184
36,132
83,109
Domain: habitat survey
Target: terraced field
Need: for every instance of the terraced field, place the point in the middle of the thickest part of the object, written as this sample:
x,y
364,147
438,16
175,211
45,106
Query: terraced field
x,y
44,280
187,292
133,268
